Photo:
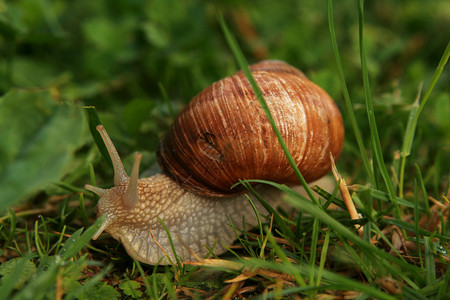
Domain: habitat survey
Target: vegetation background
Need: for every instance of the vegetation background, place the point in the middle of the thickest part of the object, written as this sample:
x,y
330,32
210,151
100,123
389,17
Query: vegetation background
x,y
139,62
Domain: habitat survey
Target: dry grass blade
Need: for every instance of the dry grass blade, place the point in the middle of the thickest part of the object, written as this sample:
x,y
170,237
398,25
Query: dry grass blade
x,y
346,195
217,263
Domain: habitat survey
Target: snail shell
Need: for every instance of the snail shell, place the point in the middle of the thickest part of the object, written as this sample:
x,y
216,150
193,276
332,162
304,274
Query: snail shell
x,y
221,137
224,136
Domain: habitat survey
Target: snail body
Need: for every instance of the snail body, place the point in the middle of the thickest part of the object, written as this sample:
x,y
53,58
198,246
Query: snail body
x,y
221,137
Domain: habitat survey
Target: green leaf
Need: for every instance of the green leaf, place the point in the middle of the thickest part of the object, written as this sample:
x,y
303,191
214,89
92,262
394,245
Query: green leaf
x,y
38,139
93,288
99,291
15,273
131,288
105,292
40,284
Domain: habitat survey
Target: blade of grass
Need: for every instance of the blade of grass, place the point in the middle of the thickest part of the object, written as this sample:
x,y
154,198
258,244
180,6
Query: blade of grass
x,y
58,244
93,121
377,151
411,294
144,277
289,266
380,233
37,239
259,226
412,123
77,240
444,285
407,142
416,223
172,245
312,253
276,217
83,211
243,241
383,196
13,225
331,198
323,257
243,65
411,227
92,175
424,191
430,267
357,257
348,103
298,227
169,285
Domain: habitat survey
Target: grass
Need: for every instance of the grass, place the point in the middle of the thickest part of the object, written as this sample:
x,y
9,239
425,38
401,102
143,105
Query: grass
x,y
135,61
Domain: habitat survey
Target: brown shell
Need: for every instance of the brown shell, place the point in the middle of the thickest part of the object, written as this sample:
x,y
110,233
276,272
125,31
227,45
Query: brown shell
x,y
223,135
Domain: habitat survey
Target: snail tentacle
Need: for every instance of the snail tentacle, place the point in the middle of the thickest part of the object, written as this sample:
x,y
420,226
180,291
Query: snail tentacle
x,y
120,176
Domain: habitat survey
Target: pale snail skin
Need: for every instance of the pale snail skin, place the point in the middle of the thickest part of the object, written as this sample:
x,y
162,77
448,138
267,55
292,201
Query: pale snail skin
x,y
191,228
196,222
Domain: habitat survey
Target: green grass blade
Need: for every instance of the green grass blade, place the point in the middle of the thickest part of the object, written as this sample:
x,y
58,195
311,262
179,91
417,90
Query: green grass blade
x,y
93,121
258,218
144,277
83,212
430,267
415,113
348,103
290,267
383,196
172,245
411,227
424,190
276,216
379,232
377,151
37,239
242,62
444,286
416,223
312,253
331,198
407,142
435,78
77,240
323,257
169,285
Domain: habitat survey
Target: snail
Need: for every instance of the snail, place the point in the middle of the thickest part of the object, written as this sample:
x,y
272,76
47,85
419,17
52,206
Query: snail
x,y
222,136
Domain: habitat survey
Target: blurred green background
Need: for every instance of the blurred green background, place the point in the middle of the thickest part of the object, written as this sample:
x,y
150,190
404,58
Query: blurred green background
x,y
139,62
